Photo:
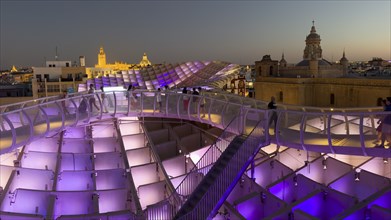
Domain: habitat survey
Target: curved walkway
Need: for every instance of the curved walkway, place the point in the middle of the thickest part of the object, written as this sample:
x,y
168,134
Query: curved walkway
x,y
338,131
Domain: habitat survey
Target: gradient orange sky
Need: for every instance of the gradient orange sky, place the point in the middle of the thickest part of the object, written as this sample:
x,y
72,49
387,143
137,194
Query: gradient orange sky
x,y
176,31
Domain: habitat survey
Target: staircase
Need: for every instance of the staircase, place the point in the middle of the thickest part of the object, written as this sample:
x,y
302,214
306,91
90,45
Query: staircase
x,y
215,187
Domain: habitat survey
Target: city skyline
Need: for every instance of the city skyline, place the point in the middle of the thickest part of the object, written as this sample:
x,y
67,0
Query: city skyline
x,y
178,31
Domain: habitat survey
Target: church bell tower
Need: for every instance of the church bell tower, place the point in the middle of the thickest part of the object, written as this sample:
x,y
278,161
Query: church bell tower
x,y
101,58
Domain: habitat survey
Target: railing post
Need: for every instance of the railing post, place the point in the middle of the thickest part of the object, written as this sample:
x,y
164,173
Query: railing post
x,y
362,140
302,128
62,113
329,117
100,105
142,103
115,103
266,127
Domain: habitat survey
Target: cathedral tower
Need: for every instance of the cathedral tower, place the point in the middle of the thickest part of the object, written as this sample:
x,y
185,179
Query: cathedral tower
x,y
312,49
101,58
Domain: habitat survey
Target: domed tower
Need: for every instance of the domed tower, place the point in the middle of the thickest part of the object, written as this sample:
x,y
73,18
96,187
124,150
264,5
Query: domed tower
x,y
145,62
283,62
101,58
345,63
312,49
314,66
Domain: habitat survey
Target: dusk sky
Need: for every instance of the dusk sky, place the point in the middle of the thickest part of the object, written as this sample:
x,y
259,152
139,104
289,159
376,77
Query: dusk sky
x,y
177,31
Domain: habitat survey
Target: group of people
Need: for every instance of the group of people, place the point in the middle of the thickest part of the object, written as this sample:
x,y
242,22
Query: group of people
x,y
383,129
384,125
196,93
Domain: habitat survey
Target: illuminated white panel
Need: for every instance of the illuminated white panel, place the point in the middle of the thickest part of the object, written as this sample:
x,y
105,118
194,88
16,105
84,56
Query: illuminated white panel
x,y
75,181
317,172
39,160
139,156
196,155
76,146
27,202
108,144
75,132
294,158
380,166
134,141
74,162
272,148
177,180
178,166
144,174
113,200
103,131
353,160
110,179
151,193
27,179
8,158
269,171
43,145
5,173
82,203
105,161
316,122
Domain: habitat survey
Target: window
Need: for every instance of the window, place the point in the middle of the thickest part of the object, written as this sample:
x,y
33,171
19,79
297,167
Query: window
x,y
271,71
67,64
281,96
53,88
332,99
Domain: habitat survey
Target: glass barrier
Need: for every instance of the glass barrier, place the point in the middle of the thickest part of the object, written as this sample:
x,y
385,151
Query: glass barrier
x,y
309,128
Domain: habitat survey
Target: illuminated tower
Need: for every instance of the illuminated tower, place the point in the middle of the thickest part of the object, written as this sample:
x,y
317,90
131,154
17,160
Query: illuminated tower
x,y
14,69
312,49
101,58
145,62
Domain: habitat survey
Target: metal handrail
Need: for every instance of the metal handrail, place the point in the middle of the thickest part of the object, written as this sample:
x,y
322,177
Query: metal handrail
x,y
176,197
251,145
10,127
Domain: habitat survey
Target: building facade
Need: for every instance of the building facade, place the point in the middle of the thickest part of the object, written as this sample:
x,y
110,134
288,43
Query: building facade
x,y
104,69
313,64
315,81
56,77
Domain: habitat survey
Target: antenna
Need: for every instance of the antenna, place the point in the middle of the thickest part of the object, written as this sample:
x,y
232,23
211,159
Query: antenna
x,y
56,57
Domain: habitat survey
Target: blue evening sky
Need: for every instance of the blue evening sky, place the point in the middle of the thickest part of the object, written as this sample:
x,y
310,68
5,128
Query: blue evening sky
x,y
177,31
